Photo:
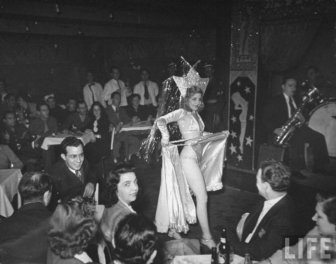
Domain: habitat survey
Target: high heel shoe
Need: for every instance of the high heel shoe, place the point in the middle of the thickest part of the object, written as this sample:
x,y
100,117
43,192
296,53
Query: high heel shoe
x,y
209,243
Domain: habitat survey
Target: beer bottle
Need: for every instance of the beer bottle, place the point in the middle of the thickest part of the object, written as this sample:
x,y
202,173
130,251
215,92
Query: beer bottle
x,y
247,259
223,249
214,259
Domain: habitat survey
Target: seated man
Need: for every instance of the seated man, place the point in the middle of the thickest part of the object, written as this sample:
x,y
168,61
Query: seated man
x,y
43,126
137,112
78,121
55,109
72,176
71,107
24,234
19,139
117,116
278,111
261,231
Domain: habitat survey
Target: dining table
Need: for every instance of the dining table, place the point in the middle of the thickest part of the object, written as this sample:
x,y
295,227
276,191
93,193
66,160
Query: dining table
x,y
58,138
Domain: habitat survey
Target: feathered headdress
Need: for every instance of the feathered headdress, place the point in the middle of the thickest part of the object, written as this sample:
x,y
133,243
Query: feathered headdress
x,y
191,79
173,89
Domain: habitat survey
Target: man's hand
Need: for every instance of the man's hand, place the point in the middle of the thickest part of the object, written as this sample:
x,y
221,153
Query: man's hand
x,y
301,118
135,119
277,131
119,126
89,189
111,126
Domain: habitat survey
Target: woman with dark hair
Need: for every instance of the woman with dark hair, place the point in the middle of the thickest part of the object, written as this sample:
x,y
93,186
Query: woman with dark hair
x,y
135,241
72,227
121,189
199,166
99,125
322,249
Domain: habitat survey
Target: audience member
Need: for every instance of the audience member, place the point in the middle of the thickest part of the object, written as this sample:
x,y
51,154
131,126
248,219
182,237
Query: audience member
x,y
72,228
9,103
24,234
147,89
99,125
115,85
137,112
92,91
261,231
26,109
55,110
72,176
8,159
43,126
78,121
15,135
117,116
135,241
120,190
71,107
19,139
320,251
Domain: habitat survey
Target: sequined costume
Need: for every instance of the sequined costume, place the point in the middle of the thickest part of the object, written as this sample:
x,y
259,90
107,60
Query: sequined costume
x,y
175,205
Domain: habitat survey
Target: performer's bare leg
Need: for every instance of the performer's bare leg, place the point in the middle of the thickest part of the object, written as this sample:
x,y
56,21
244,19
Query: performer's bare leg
x,y
196,182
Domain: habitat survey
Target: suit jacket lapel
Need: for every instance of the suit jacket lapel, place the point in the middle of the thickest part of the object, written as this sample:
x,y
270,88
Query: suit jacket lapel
x,y
251,221
271,212
269,215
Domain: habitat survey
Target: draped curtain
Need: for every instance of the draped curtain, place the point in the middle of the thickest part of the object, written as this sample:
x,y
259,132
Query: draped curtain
x,y
285,42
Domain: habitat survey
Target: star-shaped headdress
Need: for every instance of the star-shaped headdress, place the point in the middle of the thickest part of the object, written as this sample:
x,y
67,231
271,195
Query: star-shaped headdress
x,y
191,79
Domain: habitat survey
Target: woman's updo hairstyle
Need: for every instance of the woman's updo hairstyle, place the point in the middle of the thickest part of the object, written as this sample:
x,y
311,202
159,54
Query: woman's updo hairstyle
x,y
191,91
328,202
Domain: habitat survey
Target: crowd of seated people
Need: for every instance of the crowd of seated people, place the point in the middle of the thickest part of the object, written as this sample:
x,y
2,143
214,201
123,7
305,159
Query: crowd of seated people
x,y
26,122
73,231
57,223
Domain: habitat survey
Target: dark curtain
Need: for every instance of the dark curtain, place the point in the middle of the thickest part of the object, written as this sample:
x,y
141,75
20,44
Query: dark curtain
x,y
284,43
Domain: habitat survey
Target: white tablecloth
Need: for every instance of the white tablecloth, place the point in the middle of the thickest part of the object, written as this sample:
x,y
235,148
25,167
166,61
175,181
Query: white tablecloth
x,y
135,128
57,139
9,181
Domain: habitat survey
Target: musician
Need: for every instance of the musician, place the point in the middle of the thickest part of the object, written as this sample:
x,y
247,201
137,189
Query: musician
x,y
276,114
315,78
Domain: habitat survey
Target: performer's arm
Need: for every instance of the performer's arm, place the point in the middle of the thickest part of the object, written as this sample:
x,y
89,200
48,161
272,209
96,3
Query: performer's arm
x,y
166,119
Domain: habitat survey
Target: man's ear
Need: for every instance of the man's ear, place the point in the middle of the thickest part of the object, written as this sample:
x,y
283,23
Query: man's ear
x,y
63,156
267,187
152,257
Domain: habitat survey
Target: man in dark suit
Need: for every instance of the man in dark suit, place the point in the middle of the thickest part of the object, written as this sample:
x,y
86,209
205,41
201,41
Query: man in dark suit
x,y
72,175
276,114
261,231
137,112
118,117
78,121
24,234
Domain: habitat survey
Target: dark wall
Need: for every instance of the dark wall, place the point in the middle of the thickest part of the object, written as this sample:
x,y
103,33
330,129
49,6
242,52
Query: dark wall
x,y
45,64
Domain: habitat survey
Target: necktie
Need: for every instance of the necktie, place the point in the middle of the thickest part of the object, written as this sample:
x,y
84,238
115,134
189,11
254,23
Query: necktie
x,y
93,95
119,87
291,106
146,91
79,175
117,112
